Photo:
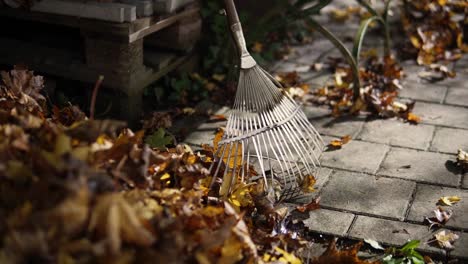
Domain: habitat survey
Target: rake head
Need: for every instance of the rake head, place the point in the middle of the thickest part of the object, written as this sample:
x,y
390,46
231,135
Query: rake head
x,y
268,133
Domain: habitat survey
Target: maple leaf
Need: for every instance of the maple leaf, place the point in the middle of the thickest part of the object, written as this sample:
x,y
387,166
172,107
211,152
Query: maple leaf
x,y
445,239
159,139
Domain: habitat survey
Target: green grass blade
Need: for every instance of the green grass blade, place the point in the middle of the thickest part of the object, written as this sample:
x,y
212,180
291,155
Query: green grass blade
x,y
344,51
359,39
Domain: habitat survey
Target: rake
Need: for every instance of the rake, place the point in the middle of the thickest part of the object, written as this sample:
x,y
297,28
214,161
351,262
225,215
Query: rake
x,y
266,130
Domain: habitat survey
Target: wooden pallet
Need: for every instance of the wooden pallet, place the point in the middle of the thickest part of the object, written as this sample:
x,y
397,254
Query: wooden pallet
x,y
114,50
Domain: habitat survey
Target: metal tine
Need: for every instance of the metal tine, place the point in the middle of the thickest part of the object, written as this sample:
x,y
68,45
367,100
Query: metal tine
x,y
281,132
279,115
280,148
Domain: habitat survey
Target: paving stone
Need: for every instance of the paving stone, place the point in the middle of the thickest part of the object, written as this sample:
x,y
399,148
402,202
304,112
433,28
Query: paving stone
x,y
329,222
390,232
449,140
465,181
322,177
327,125
424,92
356,156
397,133
198,138
457,96
357,192
445,115
425,201
419,166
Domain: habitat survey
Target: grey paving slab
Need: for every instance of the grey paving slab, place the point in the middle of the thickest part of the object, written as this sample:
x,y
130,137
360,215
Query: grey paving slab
x,y
322,177
356,156
424,92
419,166
445,115
457,95
357,192
449,140
397,133
327,125
329,222
425,202
198,138
390,232
465,181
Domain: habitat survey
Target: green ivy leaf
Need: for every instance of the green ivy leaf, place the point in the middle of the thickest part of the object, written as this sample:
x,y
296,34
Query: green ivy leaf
x,y
159,139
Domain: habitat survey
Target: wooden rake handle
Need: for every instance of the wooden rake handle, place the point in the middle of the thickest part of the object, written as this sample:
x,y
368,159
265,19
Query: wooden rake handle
x,y
231,11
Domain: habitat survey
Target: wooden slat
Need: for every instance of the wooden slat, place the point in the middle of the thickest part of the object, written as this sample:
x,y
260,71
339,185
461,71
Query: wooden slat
x,y
128,32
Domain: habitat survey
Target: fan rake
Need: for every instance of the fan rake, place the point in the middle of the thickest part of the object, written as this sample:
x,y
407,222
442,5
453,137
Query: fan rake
x,y
266,130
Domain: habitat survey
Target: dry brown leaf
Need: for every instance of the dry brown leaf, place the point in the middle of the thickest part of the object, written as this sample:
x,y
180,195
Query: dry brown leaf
x,y
338,143
313,205
462,159
445,239
347,256
116,221
441,217
412,118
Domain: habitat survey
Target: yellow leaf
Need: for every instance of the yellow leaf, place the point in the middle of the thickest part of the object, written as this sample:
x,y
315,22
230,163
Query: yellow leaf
x,y
338,143
412,118
308,184
287,257
165,176
449,200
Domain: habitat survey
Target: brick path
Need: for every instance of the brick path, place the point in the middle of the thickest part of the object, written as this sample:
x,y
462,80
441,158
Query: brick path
x,y
384,182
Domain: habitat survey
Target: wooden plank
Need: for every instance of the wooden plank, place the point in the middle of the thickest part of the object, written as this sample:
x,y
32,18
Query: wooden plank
x,y
128,32
151,25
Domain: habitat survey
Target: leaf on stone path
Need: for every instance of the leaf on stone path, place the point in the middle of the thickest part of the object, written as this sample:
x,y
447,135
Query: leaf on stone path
x,y
347,256
115,220
412,118
449,200
313,205
441,217
445,239
373,244
338,143
159,139
462,159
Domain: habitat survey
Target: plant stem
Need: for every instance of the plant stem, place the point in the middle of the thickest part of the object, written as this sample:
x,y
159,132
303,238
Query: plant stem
x,y
345,52
94,96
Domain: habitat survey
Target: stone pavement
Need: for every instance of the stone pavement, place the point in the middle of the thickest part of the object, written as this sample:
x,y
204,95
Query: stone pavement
x,y
384,182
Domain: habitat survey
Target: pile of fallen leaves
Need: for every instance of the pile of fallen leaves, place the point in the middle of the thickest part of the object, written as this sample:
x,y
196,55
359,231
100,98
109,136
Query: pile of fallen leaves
x,y
380,85
435,29
77,190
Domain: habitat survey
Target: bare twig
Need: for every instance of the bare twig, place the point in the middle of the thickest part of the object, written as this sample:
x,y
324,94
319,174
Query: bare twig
x,y
93,97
